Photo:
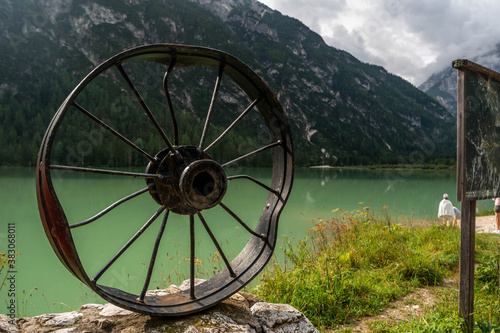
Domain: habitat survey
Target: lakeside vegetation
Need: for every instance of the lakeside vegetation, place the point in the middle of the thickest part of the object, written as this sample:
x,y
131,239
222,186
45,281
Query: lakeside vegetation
x,y
356,265
444,164
485,212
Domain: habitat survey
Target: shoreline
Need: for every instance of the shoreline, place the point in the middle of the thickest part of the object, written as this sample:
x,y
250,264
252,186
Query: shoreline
x,y
429,167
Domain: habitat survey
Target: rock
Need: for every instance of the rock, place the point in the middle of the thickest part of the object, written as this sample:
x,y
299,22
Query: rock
x,y
187,284
281,318
104,324
65,330
8,325
50,322
92,306
59,319
110,310
160,292
241,313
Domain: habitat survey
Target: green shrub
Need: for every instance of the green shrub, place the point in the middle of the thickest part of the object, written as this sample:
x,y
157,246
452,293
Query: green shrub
x,y
356,265
485,212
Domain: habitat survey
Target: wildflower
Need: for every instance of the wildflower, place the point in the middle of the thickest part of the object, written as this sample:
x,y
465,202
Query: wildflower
x,y
384,207
335,210
319,227
345,257
196,261
360,203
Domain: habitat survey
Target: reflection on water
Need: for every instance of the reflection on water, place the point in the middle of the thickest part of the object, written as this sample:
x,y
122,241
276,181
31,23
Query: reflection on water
x,y
409,193
315,194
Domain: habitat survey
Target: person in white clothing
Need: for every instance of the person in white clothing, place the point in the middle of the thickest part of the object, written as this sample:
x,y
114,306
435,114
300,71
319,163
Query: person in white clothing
x,y
445,210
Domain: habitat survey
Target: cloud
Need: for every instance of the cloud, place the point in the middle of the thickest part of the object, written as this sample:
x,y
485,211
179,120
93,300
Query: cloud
x,y
310,12
412,39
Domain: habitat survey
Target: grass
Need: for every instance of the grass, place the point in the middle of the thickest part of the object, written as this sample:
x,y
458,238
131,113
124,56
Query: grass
x,y
354,266
485,212
424,166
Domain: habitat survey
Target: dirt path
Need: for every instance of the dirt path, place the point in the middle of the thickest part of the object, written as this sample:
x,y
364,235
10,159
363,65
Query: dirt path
x,y
422,299
413,305
485,224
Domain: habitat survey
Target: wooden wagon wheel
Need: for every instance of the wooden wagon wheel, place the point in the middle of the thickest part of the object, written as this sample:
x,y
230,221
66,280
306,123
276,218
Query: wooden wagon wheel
x,y
181,178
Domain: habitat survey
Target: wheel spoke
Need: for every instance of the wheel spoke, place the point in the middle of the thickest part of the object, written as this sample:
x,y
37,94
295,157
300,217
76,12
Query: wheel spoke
x,y
255,181
145,107
212,105
107,210
153,257
113,131
272,145
127,245
191,264
227,130
241,222
169,101
104,171
228,265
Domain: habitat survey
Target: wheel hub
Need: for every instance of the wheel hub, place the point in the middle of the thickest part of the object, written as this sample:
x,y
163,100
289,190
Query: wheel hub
x,y
190,180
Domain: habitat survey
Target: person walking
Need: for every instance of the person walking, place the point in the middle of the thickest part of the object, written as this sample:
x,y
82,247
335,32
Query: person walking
x,y
497,214
445,210
456,216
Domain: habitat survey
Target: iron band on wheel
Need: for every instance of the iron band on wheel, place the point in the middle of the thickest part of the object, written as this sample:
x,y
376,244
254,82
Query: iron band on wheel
x,y
182,178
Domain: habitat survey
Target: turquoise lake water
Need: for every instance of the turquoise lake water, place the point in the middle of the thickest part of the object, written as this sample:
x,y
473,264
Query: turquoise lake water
x,y
44,285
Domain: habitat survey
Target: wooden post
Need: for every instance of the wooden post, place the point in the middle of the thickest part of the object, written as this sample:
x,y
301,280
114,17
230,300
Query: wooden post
x,y
467,259
468,212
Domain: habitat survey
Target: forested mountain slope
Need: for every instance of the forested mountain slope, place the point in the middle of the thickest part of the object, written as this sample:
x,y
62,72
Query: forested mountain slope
x,y
342,111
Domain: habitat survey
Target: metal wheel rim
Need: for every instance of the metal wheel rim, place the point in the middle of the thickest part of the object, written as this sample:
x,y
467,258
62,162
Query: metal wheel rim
x,y
255,254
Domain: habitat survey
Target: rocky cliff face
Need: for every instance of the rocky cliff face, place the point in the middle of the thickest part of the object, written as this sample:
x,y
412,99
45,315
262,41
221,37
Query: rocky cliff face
x,y
341,110
443,85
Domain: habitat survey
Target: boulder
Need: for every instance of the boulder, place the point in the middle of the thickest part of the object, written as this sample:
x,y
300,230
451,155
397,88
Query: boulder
x,y
241,313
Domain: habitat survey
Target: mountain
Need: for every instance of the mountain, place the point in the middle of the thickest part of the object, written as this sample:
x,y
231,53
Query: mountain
x,y
443,85
342,111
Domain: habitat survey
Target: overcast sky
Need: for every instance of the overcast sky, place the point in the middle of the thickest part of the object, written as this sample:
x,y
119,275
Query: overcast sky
x,y
412,39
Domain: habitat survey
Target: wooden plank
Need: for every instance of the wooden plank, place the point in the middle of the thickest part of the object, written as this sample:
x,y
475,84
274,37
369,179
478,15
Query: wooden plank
x,y
463,64
461,134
